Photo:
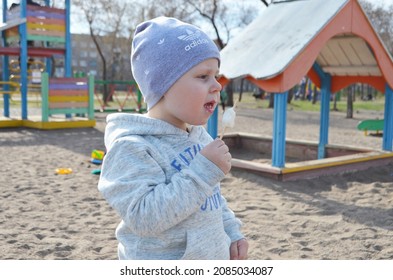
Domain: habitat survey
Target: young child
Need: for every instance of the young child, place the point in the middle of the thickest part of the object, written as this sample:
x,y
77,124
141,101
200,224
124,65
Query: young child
x,y
162,170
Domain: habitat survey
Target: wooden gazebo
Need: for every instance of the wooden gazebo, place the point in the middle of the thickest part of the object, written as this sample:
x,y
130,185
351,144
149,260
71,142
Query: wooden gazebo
x,y
332,42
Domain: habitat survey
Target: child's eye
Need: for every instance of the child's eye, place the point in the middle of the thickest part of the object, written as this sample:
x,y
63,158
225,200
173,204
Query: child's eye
x,y
203,77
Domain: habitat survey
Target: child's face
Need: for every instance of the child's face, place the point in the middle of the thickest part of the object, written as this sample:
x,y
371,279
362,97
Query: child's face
x,y
194,97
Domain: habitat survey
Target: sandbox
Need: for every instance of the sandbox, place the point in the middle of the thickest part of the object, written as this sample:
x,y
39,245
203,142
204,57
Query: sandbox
x,y
253,153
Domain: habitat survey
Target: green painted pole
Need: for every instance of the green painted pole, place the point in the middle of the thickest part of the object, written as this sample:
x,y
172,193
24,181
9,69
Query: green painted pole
x,y
91,97
45,97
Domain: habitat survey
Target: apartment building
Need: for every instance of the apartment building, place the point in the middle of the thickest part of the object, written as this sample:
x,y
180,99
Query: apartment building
x,y
86,58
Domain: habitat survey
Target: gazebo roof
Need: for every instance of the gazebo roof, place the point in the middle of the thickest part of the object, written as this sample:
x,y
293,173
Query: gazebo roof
x,y
290,37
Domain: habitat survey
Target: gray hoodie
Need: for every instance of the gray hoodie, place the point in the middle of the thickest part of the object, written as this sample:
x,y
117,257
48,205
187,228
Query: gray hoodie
x,y
166,193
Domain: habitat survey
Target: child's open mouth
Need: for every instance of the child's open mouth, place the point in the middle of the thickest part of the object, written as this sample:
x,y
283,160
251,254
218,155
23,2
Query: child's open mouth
x,y
210,106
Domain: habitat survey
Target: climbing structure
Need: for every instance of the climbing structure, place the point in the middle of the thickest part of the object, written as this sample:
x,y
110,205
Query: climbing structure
x,y
32,31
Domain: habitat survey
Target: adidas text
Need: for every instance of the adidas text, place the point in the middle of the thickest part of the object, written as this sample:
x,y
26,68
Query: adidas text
x,y
195,43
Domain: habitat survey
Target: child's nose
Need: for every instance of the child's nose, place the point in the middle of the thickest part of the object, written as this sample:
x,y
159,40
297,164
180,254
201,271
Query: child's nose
x,y
216,87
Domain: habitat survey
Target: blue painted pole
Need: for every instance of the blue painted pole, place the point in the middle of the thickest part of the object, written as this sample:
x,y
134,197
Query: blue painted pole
x,y
279,129
6,73
326,82
212,124
23,58
324,115
68,46
388,120
48,60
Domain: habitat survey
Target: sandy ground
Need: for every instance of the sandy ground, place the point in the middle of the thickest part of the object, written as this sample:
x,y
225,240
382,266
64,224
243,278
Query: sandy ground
x,y
48,216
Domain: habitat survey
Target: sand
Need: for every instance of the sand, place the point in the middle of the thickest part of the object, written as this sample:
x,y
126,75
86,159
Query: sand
x,y
44,215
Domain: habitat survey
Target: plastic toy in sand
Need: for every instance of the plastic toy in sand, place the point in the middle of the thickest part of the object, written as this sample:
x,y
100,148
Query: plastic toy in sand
x,y
63,171
97,156
96,172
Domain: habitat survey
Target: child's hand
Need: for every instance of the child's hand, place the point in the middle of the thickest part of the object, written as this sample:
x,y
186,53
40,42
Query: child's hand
x,y
218,153
239,249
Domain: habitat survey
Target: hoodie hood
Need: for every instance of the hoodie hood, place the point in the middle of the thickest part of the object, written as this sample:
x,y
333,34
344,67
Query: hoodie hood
x,y
123,124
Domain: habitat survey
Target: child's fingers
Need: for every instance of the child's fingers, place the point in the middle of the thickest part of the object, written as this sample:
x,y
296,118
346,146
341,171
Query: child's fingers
x,y
239,249
233,250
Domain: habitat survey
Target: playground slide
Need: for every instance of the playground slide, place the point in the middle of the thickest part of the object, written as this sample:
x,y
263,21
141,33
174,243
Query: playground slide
x,y
371,125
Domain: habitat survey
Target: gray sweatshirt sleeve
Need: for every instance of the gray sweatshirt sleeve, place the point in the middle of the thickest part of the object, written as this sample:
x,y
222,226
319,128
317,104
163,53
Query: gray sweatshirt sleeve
x,y
135,185
232,225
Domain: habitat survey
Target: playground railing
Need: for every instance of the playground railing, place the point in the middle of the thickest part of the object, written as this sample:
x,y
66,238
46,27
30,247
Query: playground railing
x,y
67,96
123,94
7,87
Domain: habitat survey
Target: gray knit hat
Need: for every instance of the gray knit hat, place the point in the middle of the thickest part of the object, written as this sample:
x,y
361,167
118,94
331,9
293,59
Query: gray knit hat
x,y
163,50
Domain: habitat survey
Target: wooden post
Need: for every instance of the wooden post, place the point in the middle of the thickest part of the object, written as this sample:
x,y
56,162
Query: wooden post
x,y
279,129
325,112
68,46
45,97
23,58
388,120
326,82
6,73
91,97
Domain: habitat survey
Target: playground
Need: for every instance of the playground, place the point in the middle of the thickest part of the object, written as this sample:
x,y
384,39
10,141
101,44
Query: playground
x,y
339,216
72,102
33,38
337,47
344,214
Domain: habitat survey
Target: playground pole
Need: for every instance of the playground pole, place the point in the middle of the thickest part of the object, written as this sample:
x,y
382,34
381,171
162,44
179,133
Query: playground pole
x,y
6,72
326,82
68,47
325,112
23,58
48,60
279,129
388,120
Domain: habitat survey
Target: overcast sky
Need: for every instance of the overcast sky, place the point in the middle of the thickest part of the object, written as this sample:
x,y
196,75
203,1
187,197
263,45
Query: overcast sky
x,y
77,27
382,2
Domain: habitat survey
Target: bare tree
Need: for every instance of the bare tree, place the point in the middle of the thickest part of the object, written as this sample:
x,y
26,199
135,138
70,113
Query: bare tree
x,y
210,11
114,18
223,21
335,97
265,2
350,94
106,24
382,20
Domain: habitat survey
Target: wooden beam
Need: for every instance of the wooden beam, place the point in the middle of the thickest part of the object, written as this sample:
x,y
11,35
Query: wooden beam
x,y
371,70
34,52
12,23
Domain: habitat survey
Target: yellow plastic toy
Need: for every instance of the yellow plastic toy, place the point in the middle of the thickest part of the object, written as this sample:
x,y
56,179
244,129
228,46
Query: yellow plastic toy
x,y
97,154
63,171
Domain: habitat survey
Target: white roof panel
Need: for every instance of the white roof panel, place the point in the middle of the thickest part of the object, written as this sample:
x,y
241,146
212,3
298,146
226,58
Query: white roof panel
x,y
268,45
